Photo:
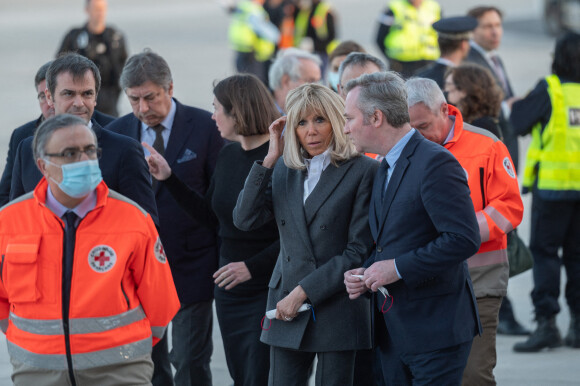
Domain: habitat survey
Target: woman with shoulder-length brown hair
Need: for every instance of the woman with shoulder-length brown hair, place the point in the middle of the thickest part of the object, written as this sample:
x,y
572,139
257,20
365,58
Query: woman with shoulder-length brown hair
x,y
474,91
243,110
318,192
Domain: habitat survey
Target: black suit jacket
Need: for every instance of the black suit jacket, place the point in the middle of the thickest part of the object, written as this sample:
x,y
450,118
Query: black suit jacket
x,y
21,133
510,138
427,223
122,164
192,150
436,72
476,57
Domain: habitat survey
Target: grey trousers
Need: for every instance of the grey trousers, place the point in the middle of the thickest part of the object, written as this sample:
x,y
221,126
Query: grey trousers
x,y
136,372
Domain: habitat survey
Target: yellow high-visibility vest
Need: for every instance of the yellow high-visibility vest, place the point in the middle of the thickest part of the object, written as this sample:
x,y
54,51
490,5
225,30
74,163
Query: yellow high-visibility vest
x,y
241,35
412,37
318,22
553,158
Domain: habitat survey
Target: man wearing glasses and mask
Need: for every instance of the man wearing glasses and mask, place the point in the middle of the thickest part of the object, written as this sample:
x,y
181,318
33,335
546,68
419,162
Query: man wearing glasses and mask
x,y
86,290
72,85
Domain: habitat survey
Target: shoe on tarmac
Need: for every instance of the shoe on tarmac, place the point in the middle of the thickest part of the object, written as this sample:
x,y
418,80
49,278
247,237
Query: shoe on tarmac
x,y
545,336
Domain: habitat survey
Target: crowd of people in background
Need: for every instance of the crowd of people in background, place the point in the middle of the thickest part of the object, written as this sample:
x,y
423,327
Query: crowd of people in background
x,y
337,206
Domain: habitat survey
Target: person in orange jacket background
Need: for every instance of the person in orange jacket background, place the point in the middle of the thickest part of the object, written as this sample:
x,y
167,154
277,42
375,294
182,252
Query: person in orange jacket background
x,y
498,207
85,289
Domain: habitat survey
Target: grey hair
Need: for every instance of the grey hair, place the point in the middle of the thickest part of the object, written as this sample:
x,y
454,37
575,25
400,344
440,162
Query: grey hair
x,y
49,126
41,73
383,91
360,59
75,64
426,91
143,67
287,62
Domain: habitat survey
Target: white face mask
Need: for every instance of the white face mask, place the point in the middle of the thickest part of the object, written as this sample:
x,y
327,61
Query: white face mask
x,y
79,178
333,80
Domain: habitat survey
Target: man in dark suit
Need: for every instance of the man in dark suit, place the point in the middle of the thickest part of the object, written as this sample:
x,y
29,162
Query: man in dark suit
x,y
486,40
424,226
188,139
72,86
453,38
28,129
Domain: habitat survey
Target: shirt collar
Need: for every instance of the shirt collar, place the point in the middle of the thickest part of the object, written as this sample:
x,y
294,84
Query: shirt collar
x,y
451,131
169,118
486,54
80,210
445,62
394,154
322,160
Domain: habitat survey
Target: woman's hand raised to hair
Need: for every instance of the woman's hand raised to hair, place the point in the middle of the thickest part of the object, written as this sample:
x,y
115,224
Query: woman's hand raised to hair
x,y
276,142
158,166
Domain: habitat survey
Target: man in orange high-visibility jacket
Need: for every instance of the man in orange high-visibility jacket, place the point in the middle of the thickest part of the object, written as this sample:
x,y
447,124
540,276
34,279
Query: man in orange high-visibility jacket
x,y
85,289
498,207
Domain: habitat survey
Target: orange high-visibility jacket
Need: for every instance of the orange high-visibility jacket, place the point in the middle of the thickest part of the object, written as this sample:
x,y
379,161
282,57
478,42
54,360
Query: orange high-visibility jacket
x,y
122,295
496,198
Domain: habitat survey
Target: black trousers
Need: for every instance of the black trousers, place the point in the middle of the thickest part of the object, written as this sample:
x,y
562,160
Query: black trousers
x,y
239,315
555,226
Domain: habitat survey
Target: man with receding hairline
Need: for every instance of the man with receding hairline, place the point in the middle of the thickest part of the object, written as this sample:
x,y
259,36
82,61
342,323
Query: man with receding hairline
x,y
86,289
424,227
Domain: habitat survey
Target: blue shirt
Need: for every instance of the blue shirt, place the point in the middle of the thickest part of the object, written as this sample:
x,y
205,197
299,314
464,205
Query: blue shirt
x,y
148,134
80,210
393,155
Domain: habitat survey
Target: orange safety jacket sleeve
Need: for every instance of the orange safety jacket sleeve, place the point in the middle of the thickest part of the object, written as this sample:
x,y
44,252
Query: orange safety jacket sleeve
x,y
155,287
502,203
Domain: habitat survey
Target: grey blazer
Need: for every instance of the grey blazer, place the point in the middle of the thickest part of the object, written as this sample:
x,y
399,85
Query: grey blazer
x,y
319,240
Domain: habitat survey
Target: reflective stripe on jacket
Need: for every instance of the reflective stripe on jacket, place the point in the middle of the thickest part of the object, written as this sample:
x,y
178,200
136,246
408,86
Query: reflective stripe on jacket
x,y
553,159
122,295
496,199
411,36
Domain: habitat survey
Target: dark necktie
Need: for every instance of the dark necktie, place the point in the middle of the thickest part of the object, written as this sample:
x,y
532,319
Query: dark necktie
x,y
159,145
384,174
70,230
498,68
70,219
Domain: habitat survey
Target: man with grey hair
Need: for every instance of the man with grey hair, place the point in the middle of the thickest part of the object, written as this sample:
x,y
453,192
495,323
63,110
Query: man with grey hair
x,y
424,227
190,142
498,207
72,86
355,65
292,68
86,287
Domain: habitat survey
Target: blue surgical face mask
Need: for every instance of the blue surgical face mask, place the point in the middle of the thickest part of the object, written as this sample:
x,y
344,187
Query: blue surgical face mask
x,y
79,178
333,80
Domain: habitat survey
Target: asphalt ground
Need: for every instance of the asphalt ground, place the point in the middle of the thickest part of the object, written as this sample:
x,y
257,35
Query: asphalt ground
x,y
192,36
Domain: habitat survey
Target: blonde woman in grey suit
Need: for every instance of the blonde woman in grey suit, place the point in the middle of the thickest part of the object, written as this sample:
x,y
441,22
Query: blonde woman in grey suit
x,y
319,194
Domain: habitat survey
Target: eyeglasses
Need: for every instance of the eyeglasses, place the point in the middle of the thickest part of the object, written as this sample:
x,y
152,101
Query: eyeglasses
x,y
74,155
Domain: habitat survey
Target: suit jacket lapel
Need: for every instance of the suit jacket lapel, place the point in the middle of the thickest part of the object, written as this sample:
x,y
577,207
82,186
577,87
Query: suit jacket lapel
x,y
329,180
134,129
181,130
376,206
295,179
395,181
